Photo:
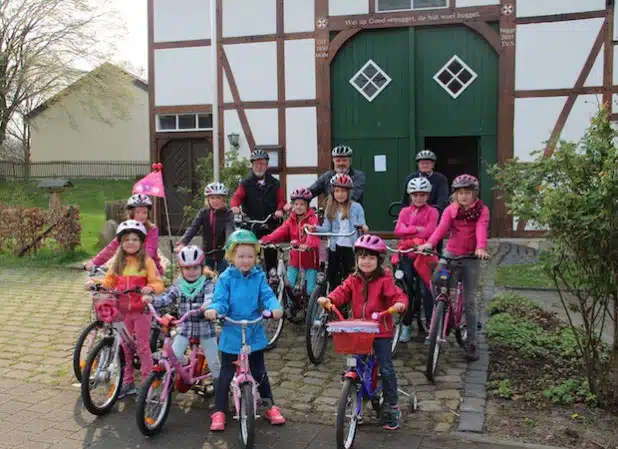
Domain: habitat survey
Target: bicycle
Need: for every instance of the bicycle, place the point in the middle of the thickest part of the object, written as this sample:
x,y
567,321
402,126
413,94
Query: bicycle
x,y
244,386
448,312
316,317
107,357
158,387
361,380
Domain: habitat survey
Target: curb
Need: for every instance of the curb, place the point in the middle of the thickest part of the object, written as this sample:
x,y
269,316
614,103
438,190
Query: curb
x,y
498,442
531,289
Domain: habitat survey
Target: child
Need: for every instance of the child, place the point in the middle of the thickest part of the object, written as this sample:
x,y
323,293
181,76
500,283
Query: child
x,y
342,216
133,268
138,209
193,290
372,289
242,293
414,226
217,223
467,219
293,229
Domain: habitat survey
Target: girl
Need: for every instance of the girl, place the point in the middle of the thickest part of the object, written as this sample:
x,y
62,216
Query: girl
x,y
467,219
342,217
372,289
414,226
193,290
217,223
138,209
293,229
133,268
242,293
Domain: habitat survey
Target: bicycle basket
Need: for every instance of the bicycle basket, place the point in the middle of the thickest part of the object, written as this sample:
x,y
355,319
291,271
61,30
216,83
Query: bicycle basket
x,y
108,309
353,336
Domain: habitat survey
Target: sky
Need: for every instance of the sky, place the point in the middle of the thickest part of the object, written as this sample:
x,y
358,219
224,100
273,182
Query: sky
x,y
134,46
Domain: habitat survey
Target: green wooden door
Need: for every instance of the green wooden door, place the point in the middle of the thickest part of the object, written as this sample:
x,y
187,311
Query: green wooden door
x,y
393,125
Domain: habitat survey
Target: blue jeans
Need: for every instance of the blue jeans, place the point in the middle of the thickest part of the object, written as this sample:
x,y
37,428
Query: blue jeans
x,y
415,303
382,349
311,276
209,346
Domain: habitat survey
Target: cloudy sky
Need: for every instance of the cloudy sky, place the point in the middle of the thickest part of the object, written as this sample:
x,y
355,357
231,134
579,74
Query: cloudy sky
x,y
134,47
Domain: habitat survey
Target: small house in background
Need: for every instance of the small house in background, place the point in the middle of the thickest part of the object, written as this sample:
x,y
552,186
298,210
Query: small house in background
x,y
103,117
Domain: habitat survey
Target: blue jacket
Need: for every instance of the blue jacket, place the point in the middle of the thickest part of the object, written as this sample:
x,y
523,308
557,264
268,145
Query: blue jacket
x,y
243,297
357,218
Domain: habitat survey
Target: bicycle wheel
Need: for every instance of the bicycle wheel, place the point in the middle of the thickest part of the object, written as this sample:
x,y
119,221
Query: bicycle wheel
x,y
274,328
435,334
246,416
103,368
315,327
85,342
153,403
347,408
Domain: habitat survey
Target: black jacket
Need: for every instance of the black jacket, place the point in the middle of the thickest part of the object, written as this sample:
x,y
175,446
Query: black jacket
x,y
212,237
260,201
439,193
322,184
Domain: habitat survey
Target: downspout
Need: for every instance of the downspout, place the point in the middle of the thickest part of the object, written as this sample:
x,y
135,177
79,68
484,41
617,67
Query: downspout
x,y
215,90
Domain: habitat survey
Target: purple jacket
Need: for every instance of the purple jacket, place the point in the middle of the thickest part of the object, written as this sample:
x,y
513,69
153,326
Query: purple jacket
x,y
152,246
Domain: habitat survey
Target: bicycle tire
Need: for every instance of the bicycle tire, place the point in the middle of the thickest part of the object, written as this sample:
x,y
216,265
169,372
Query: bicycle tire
x,y
78,362
272,341
140,412
247,400
347,390
433,354
313,307
85,388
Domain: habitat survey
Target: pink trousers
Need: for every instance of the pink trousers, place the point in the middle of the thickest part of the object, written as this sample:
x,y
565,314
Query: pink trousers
x,y
138,324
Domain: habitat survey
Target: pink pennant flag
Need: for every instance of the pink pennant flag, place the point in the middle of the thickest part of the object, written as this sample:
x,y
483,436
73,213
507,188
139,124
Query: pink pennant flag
x,y
151,184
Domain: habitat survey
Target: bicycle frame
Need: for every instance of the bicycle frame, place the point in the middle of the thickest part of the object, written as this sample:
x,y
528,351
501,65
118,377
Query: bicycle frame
x,y
364,370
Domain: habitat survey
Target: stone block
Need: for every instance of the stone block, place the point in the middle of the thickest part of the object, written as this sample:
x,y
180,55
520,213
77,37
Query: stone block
x,y
471,422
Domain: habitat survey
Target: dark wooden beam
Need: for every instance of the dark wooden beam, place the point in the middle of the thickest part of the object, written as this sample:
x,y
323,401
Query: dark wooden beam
x,y
182,44
561,17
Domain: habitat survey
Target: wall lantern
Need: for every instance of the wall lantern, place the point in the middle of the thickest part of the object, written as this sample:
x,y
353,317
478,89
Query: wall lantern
x,y
274,152
234,138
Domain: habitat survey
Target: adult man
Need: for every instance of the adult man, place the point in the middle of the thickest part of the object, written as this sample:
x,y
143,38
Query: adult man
x,y
342,161
438,197
260,195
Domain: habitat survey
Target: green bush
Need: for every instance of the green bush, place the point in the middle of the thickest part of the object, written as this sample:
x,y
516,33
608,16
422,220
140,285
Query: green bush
x,y
569,392
508,302
522,335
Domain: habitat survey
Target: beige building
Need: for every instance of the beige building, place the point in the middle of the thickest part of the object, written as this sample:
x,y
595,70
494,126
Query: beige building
x,y
101,117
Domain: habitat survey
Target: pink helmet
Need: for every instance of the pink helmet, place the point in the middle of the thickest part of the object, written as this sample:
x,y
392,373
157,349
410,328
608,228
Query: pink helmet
x,y
302,194
466,182
371,243
342,180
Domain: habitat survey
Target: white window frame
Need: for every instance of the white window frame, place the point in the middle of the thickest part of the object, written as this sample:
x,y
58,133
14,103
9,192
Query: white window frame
x,y
464,86
380,89
184,130
436,8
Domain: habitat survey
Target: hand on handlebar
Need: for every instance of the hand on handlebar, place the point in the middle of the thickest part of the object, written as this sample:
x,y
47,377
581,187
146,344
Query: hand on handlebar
x,y
399,307
287,207
90,283
424,247
277,314
89,266
210,314
147,290
325,302
311,228
235,210
279,213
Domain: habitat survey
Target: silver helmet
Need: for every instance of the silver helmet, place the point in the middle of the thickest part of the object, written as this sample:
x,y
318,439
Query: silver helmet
x,y
418,185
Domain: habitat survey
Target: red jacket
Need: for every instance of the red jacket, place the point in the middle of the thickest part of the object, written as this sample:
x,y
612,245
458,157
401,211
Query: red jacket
x,y
375,295
292,230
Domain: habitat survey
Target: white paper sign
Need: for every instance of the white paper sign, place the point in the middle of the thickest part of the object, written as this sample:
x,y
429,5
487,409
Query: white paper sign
x,y
379,162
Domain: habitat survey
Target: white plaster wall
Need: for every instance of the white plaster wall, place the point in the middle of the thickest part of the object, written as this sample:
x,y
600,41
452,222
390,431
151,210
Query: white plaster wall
x,y
183,76
231,124
346,7
552,55
248,18
264,125
595,77
227,92
579,119
298,16
300,69
615,65
301,137
297,181
614,103
255,70
527,8
465,3
534,120
181,20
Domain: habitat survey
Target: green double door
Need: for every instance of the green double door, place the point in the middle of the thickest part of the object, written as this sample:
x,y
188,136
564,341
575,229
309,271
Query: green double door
x,y
402,109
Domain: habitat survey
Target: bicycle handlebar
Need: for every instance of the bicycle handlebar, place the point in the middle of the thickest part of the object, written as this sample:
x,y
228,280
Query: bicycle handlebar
x,y
174,322
375,316
265,314
243,219
328,234
100,289
212,251
284,248
405,251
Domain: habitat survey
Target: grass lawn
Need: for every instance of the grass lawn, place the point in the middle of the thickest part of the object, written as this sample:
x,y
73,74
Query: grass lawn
x,y
89,195
524,275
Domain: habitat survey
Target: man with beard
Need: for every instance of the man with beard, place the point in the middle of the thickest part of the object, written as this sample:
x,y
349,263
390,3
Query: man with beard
x,y
260,195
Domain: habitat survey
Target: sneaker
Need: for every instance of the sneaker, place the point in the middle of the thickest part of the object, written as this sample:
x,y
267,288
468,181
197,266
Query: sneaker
x,y
391,416
273,415
406,334
472,353
127,389
217,422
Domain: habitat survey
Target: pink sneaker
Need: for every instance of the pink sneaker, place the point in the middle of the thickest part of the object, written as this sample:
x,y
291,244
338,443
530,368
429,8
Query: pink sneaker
x,y
273,414
218,422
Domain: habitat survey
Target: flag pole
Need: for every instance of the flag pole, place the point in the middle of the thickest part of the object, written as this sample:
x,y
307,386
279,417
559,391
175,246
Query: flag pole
x,y
169,231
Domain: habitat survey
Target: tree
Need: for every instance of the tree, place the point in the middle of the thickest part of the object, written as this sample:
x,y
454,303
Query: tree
x,y
574,194
46,46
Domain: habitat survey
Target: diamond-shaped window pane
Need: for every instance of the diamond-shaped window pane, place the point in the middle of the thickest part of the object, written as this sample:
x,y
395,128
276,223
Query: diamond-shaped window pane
x,y
455,76
370,80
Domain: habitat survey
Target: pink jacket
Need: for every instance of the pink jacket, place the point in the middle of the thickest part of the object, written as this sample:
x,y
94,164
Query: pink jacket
x,y
410,218
152,246
466,237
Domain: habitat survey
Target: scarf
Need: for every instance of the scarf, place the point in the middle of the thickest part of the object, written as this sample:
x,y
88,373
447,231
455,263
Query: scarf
x,y
470,214
191,289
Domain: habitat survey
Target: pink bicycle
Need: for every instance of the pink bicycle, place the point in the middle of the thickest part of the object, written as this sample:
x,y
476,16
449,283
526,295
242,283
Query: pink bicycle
x,y
155,397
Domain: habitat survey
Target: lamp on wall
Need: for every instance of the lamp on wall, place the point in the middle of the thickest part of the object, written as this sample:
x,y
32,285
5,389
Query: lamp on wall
x,y
233,138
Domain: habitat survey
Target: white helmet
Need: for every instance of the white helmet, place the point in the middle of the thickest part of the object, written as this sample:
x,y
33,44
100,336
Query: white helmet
x,y
190,256
131,226
418,185
426,155
341,151
139,200
215,188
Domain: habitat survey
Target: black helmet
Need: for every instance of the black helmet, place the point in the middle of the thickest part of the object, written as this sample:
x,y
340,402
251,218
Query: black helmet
x,y
259,154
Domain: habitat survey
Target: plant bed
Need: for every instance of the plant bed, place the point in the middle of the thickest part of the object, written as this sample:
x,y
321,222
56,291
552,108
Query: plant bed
x,y
538,392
